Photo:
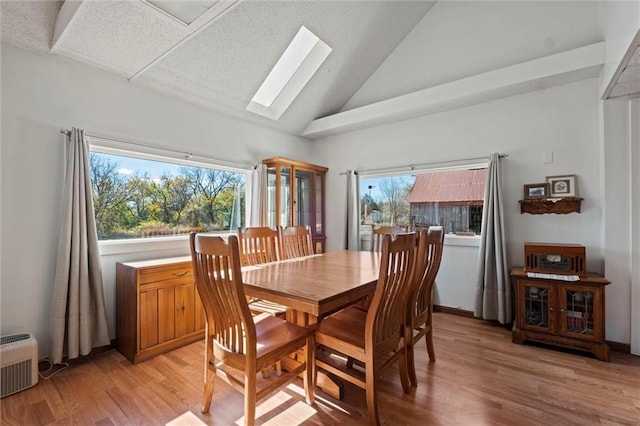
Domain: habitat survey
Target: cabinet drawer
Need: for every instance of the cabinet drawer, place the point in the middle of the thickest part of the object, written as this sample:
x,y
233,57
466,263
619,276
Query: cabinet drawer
x,y
164,273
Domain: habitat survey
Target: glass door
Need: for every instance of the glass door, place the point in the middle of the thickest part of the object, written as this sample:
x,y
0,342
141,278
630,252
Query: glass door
x,y
272,194
285,197
319,228
577,309
303,207
536,301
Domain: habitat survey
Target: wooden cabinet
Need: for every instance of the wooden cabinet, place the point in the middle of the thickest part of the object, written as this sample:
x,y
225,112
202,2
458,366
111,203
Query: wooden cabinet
x,y
295,196
564,313
158,308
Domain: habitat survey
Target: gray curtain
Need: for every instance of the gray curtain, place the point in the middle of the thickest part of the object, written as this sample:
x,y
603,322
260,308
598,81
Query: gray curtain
x,y
493,288
258,211
78,314
352,236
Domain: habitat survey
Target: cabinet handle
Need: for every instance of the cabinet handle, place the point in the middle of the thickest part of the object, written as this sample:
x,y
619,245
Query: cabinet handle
x,y
180,274
552,309
561,309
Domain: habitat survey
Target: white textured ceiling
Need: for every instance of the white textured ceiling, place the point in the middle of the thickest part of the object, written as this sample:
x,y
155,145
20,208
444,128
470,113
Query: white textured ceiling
x,y
627,79
219,62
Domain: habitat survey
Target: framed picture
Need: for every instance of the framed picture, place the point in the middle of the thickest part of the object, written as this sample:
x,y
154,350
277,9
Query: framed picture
x,y
562,186
536,190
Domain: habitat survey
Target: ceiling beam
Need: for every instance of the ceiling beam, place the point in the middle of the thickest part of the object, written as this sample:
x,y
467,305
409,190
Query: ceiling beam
x,y
562,68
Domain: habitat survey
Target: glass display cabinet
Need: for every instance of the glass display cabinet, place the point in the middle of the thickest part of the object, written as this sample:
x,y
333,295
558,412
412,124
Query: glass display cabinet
x,y
295,196
564,313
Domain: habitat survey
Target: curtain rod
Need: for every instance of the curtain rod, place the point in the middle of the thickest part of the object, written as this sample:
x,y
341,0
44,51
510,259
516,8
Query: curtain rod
x,y
183,154
424,166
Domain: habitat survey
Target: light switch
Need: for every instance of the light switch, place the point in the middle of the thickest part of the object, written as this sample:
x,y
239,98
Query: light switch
x,y
547,157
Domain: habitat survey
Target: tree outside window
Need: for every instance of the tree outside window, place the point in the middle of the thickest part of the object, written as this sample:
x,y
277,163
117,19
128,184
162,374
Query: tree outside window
x,y
452,199
135,198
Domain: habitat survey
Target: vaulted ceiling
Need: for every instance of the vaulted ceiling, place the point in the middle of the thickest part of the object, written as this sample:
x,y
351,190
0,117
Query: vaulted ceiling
x,y
221,58
217,53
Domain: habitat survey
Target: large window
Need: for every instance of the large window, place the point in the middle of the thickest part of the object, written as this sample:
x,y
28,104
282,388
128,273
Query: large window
x,y
138,198
452,199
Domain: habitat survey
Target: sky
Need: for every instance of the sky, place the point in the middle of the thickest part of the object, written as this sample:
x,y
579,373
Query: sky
x,y
374,182
155,169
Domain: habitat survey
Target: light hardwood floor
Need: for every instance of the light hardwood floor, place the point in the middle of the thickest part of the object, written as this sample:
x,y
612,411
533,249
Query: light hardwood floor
x,y
479,378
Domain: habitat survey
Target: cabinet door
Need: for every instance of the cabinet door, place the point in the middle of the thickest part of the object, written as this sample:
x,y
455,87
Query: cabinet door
x,y
201,319
304,201
285,204
185,309
536,309
148,333
319,225
157,316
272,197
580,309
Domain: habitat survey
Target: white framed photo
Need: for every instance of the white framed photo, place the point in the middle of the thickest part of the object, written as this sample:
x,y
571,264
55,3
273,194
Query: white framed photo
x,y
562,186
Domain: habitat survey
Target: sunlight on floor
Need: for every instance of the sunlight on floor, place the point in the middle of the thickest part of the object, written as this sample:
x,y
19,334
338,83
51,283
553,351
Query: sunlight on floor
x,y
186,419
283,407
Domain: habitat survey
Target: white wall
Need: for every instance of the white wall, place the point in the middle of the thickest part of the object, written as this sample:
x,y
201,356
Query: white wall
x,y
562,120
458,39
41,95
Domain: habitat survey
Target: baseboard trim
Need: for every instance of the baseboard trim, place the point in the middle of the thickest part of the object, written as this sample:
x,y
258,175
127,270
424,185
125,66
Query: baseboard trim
x,y
453,311
624,348
45,363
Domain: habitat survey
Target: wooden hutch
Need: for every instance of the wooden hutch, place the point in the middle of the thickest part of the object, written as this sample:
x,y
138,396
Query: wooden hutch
x,y
295,196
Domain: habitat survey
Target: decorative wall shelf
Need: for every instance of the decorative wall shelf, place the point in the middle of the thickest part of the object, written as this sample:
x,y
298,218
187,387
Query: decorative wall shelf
x,y
551,205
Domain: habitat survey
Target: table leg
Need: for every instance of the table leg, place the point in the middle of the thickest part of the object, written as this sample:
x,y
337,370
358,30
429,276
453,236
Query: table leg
x,y
330,385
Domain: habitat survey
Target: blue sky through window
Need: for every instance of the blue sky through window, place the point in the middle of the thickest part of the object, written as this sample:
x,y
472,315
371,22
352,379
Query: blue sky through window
x,y
155,169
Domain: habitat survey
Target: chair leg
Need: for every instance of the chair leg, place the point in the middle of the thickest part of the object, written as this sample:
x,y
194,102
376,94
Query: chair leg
x,y
372,396
250,397
310,372
207,393
429,339
404,373
411,365
349,362
209,375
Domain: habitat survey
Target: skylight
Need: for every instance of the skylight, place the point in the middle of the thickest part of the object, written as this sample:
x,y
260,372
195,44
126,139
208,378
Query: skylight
x,y
291,73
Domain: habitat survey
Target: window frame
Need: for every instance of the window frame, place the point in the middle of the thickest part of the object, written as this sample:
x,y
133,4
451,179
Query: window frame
x,y
450,238
144,152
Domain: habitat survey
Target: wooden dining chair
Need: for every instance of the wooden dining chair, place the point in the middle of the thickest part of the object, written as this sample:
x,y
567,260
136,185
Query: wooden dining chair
x,y
259,245
295,241
238,345
377,232
420,299
374,338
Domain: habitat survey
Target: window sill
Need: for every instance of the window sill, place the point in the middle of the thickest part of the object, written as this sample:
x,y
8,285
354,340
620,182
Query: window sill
x,y
141,245
458,240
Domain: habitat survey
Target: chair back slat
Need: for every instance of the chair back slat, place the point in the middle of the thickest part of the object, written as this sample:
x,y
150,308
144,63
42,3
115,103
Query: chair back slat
x,y
377,232
218,279
259,245
428,261
387,312
296,242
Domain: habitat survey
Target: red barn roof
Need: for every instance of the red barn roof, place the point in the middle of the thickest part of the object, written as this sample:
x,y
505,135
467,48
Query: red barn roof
x,y
449,186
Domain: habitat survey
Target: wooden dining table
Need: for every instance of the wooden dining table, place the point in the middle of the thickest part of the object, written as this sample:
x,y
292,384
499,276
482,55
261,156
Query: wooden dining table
x,y
314,287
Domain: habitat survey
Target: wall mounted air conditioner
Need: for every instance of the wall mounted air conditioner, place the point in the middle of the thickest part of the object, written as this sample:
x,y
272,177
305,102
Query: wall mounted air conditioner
x,y
19,362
